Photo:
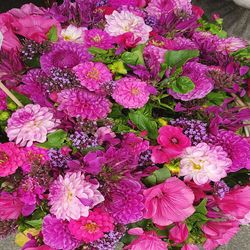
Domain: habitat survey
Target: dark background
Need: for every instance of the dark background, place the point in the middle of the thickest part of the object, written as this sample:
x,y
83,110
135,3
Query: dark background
x,y
6,5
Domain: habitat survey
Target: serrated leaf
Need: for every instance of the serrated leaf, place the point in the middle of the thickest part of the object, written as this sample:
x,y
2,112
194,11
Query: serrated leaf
x,y
183,85
37,224
52,34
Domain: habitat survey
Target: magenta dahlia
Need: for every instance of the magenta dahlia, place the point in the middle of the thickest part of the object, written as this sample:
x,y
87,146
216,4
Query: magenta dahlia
x,y
83,103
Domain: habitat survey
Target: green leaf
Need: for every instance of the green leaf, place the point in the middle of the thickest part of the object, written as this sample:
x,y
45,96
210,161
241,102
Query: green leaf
x,y
134,57
52,34
97,51
179,58
55,140
216,98
201,208
22,98
118,67
183,85
157,177
37,224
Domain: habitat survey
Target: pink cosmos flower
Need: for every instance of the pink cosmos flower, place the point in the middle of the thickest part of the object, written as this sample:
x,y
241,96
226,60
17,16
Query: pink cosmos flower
x,y
27,9
72,196
131,92
163,207
219,233
126,21
172,142
93,227
3,99
178,233
29,124
236,202
92,75
10,158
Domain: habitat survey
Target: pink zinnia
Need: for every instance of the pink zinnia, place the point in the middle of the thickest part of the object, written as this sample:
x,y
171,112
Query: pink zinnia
x,y
10,158
72,196
93,227
172,142
92,75
30,124
131,92
3,99
162,205
83,103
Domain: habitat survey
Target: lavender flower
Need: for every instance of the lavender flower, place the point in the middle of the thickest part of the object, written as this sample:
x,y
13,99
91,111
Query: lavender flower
x,y
82,140
220,189
57,159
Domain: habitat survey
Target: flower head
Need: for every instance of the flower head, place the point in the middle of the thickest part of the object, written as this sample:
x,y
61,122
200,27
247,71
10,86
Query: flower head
x,y
72,34
131,92
230,44
93,227
30,124
125,21
72,196
203,163
3,100
163,207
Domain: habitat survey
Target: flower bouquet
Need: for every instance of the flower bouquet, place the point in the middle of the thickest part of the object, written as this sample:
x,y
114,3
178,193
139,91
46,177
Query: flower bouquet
x,y
123,125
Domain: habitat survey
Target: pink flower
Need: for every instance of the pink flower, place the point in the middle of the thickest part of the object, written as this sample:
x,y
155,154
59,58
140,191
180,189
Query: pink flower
x,y
92,75
134,3
190,247
198,11
178,233
162,205
236,202
126,41
93,227
29,124
27,9
72,196
10,206
172,142
10,158
219,233
3,99
43,247
131,92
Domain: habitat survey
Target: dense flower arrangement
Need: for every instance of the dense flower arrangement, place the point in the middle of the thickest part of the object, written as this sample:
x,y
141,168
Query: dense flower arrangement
x,y
124,125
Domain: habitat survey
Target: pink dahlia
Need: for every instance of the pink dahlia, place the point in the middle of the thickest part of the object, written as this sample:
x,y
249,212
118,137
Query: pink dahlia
x,y
64,55
131,92
203,163
57,235
30,124
230,44
125,21
162,205
92,75
3,99
72,196
203,84
172,142
10,158
219,233
83,103
93,227
98,38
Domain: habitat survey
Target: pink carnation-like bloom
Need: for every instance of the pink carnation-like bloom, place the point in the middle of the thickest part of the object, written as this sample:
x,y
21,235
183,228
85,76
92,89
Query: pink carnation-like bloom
x,y
126,21
172,142
92,75
30,124
131,92
98,38
83,103
57,235
3,99
93,227
219,233
197,72
203,163
10,158
178,233
72,196
162,205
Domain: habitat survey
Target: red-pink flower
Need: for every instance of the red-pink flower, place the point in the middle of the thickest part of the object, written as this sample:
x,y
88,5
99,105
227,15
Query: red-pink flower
x,y
236,203
172,142
178,233
219,233
171,201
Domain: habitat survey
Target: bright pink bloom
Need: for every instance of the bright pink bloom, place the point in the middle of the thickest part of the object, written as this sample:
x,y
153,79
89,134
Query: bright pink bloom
x,y
10,158
236,203
198,11
134,3
172,142
162,205
219,233
10,206
26,10
92,75
3,99
43,247
93,227
178,233
190,247
126,41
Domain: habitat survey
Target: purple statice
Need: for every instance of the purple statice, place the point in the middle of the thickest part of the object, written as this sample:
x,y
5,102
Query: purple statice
x,y
81,140
151,20
7,227
101,3
125,201
64,55
195,130
145,159
237,148
89,127
220,189
58,159
108,87
60,79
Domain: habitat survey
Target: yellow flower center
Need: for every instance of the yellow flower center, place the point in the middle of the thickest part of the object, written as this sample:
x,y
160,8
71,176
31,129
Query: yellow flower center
x,y
135,91
196,166
91,227
3,157
94,74
97,38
